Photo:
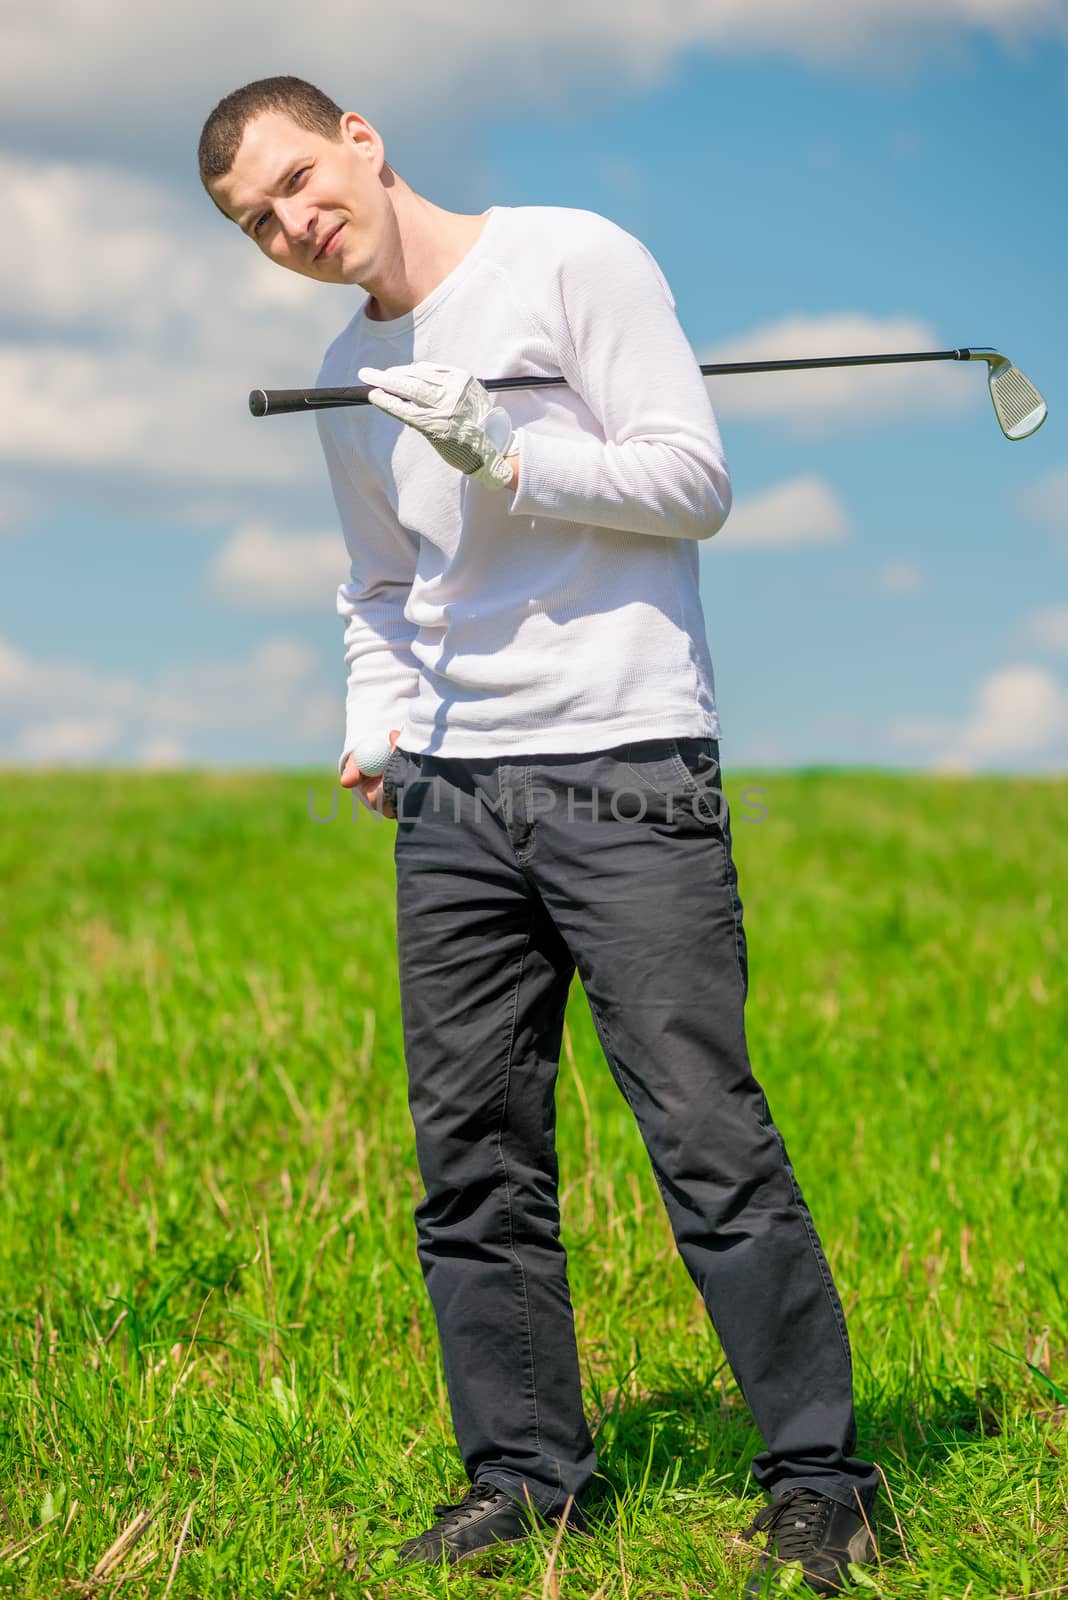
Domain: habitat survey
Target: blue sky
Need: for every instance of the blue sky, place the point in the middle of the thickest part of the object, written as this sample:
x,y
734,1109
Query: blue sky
x,y
892,586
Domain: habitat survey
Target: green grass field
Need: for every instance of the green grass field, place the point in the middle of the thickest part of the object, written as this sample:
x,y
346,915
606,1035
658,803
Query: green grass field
x,y
219,1372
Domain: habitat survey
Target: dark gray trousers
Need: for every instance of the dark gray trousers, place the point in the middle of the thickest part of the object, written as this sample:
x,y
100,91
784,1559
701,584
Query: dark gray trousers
x,y
512,872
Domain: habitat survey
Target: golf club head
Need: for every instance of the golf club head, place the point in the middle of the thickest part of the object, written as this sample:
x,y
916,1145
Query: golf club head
x,y
1019,407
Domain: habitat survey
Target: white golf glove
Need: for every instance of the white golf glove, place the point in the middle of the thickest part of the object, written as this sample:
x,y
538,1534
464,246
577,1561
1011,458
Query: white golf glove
x,y
454,412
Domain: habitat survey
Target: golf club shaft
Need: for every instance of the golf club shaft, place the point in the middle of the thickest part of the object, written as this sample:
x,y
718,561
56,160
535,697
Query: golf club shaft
x,y
272,402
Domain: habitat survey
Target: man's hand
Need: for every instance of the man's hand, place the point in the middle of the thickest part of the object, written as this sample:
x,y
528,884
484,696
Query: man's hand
x,y
451,409
370,788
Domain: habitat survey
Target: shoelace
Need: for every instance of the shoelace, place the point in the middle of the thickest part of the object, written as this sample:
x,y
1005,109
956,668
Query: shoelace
x,y
798,1521
475,1500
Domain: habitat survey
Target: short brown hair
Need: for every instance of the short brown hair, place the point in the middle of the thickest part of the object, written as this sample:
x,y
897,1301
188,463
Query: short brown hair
x,y
302,102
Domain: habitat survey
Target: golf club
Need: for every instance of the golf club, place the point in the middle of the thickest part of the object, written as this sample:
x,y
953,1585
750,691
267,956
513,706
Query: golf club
x,y
1019,407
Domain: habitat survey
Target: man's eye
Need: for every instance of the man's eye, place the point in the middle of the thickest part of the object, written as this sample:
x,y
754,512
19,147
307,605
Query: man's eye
x,y
299,173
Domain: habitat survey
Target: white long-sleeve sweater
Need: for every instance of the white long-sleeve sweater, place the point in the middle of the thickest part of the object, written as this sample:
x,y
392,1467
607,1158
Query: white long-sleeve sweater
x,y
563,616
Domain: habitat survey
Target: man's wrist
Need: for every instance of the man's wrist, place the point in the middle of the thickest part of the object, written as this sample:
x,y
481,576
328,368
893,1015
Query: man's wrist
x,y
513,462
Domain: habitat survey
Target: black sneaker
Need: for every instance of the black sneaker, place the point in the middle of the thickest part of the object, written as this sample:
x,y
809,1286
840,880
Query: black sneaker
x,y
813,1530
479,1525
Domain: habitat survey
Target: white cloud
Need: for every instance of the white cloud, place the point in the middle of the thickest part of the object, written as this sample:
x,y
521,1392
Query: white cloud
x,y
802,511
151,415
150,264
258,569
758,750
1020,711
276,688
53,688
1048,628
1046,501
15,670
51,710
161,751
66,740
150,334
811,402
117,215
127,65
899,577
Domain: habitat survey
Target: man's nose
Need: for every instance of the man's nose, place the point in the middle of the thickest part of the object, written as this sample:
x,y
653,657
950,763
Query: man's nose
x,y
296,218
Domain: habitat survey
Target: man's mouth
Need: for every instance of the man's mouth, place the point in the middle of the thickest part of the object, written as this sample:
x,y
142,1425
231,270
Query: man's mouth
x,y
327,245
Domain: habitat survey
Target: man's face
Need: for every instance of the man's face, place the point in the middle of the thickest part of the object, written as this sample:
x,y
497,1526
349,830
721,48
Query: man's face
x,y
312,204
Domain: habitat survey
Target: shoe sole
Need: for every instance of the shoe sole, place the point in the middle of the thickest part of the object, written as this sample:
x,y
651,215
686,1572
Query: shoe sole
x,y
490,1552
484,1553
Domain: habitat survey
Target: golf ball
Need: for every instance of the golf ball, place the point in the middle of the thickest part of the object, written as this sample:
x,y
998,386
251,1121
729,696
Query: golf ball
x,y
371,754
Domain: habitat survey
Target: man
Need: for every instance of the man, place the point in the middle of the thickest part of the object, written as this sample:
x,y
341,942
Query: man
x,y
523,619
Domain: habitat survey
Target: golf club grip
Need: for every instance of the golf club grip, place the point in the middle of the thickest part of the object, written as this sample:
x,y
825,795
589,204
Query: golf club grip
x,y
273,402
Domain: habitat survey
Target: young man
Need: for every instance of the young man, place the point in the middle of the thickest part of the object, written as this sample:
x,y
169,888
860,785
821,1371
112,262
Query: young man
x,y
523,619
